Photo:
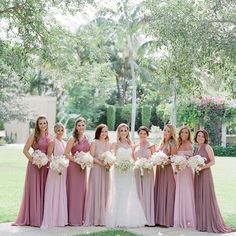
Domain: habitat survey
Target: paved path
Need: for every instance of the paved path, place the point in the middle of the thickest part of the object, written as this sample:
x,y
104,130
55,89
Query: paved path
x,y
7,230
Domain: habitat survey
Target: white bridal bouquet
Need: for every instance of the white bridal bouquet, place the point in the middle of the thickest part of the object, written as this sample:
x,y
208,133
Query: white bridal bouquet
x,y
124,164
196,162
143,163
179,162
59,163
84,159
39,158
159,158
108,158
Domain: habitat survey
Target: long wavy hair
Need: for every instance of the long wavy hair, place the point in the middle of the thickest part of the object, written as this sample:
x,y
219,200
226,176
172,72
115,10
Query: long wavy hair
x,y
98,131
179,135
75,132
37,130
173,140
118,138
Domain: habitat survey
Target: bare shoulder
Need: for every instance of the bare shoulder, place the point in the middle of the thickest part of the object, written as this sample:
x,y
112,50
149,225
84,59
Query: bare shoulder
x,y
209,148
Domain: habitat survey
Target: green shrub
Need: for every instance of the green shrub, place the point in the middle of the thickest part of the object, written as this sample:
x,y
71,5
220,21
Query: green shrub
x,y
229,151
126,114
111,117
118,116
146,115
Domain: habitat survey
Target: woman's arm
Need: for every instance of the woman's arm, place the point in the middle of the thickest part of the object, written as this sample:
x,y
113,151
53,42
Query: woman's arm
x,y
173,150
68,148
92,152
27,146
211,155
50,149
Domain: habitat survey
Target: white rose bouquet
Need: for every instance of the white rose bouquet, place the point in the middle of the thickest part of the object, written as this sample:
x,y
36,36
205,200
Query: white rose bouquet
x,y
196,162
179,162
159,158
84,159
143,163
39,158
108,158
59,163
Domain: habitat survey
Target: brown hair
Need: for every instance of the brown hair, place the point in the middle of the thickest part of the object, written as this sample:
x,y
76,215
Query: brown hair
x,y
98,131
173,140
37,130
179,135
118,133
206,136
75,133
144,128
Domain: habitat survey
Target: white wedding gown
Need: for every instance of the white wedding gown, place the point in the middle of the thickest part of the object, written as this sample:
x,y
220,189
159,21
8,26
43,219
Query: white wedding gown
x,y
124,208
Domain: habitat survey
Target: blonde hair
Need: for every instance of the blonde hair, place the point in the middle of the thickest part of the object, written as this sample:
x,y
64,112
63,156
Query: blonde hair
x,y
118,133
179,135
57,126
173,140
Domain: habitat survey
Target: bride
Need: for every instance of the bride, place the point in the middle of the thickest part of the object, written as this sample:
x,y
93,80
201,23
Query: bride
x,y
123,208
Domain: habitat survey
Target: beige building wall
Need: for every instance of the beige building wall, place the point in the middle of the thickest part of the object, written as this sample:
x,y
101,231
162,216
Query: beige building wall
x,y
37,105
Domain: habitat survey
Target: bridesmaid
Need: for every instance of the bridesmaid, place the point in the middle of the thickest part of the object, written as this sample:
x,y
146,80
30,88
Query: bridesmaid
x,y
31,210
145,185
164,189
99,180
184,211
76,177
55,206
208,214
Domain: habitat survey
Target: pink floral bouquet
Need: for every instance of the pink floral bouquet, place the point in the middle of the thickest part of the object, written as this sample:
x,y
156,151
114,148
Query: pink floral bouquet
x,y
159,158
39,158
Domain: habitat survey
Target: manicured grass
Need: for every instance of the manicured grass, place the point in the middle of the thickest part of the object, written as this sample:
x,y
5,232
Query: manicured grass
x,y
12,174
109,233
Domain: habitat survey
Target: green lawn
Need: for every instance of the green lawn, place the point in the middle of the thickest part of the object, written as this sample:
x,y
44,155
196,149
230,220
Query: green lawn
x,y
109,233
12,174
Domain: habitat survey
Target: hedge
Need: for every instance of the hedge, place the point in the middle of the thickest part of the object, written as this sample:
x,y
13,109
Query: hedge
x,y
111,117
146,115
229,151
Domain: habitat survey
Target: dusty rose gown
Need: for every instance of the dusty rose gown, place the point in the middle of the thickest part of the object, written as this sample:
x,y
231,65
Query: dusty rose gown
x,y
207,210
145,185
77,186
98,188
184,211
164,195
55,205
31,210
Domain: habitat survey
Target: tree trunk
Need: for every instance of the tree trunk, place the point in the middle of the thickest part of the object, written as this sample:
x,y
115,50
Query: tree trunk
x,y
174,109
134,90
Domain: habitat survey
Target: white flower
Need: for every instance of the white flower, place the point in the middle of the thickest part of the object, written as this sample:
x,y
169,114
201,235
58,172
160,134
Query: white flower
x,y
39,158
123,164
59,163
159,158
108,158
143,163
84,159
180,162
196,162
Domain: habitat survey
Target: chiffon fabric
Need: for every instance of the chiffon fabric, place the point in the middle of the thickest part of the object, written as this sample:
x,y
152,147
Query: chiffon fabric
x,y
32,205
55,205
77,186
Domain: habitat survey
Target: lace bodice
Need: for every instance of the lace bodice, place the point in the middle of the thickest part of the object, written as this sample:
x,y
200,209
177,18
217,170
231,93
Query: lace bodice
x,y
124,153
